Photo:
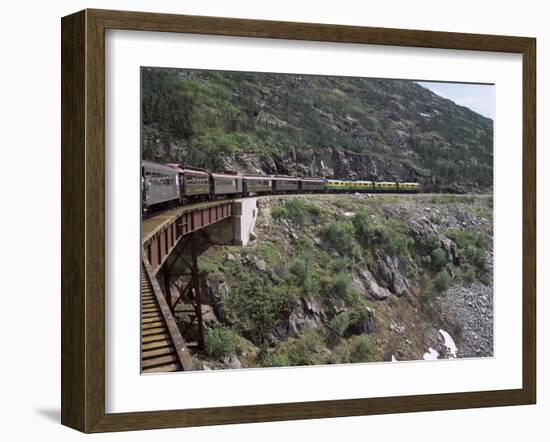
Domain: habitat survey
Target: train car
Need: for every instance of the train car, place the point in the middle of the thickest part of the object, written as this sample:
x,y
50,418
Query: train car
x,y
360,186
364,186
285,184
160,185
311,184
337,186
225,184
257,184
196,184
408,187
385,187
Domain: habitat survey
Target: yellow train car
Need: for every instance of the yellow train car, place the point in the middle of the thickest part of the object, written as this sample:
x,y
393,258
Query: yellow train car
x,y
337,186
385,186
408,187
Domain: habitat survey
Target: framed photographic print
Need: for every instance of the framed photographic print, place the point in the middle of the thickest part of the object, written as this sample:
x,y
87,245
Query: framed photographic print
x,y
268,220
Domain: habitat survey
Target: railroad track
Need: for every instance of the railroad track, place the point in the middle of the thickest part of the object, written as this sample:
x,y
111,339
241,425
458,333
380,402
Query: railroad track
x,y
158,353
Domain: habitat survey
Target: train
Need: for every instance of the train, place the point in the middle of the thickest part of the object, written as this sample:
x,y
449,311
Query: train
x,y
175,184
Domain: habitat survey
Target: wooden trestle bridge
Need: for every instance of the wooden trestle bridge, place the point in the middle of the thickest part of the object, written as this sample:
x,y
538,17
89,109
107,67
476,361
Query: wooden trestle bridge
x,y
173,231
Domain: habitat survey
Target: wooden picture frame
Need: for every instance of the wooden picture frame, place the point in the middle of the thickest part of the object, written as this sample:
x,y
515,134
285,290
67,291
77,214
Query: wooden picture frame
x,y
83,220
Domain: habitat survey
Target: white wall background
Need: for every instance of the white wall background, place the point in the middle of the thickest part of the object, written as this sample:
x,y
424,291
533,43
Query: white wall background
x,y
30,246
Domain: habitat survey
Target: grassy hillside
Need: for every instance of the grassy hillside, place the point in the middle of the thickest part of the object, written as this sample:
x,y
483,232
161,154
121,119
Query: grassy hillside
x,y
315,125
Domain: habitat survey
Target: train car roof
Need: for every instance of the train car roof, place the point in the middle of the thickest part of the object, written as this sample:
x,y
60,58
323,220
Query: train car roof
x,y
175,166
157,165
310,178
258,177
287,178
200,172
225,175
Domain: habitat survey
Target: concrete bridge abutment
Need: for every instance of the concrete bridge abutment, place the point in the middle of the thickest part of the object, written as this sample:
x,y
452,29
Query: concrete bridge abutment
x,y
235,230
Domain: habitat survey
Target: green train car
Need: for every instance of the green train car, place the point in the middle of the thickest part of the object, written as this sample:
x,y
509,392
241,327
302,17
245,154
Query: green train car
x,y
347,186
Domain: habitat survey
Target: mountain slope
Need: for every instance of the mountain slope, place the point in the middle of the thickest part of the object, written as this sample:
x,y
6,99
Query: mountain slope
x,y
340,127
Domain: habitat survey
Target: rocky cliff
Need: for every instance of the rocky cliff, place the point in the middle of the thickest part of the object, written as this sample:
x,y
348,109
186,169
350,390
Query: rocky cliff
x,y
355,278
338,127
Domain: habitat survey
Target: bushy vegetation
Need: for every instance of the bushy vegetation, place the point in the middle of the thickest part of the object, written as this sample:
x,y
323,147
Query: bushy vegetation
x,y
340,285
302,270
220,342
336,328
357,349
472,246
438,259
257,306
274,360
297,211
305,350
340,236
207,267
441,281
391,236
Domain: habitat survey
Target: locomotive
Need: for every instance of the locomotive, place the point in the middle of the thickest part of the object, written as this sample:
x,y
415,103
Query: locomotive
x,y
169,184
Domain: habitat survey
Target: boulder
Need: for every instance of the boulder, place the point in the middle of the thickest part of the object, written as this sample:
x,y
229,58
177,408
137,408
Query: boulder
x,y
358,286
208,316
391,275
450,249
232,361
261,265
422,226
215,294
374,290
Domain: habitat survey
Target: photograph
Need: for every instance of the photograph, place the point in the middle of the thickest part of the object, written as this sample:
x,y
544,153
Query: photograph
x,y
292,220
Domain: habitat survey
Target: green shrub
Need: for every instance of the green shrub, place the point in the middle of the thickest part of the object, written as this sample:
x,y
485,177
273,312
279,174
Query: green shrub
x,y
441,281
475,256
257,306
303,244
438,259
361,348
207,267
305,349
275,360
470,274
343,264
364,226
297,211
472,247
485,278
341,237
392,236
341,354
279,212
340,285
393,241
302,268
220,342
356,349
430,242
336,328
